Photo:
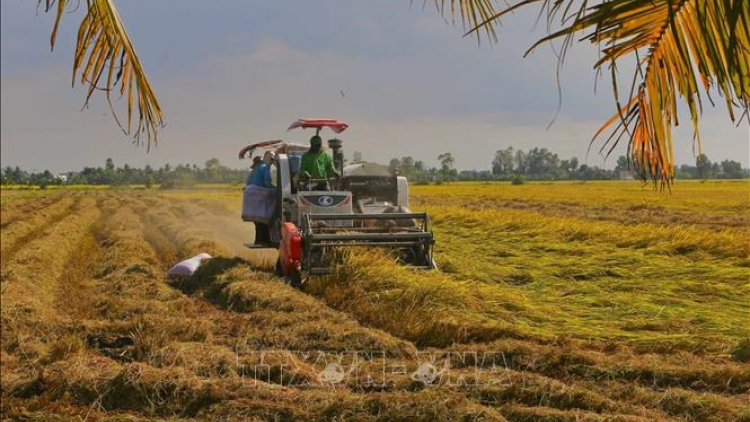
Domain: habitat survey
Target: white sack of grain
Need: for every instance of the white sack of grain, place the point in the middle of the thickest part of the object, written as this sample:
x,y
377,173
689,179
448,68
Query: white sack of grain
x,y
188,266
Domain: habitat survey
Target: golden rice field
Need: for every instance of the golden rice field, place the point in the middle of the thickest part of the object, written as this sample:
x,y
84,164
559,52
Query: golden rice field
x,y
554,302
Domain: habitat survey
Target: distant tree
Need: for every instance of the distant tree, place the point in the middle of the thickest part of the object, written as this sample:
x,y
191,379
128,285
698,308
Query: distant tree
x,y
686,171
573,164
586,172
109,172
421,173
44,179
213,163
394,165
622,164
705,166
568,168
502,164
447,161
520,162
732,169
7,176
213,170
407,167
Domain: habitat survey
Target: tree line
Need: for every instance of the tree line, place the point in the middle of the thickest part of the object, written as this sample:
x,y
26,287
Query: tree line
x,y
167,176
542,164
507,164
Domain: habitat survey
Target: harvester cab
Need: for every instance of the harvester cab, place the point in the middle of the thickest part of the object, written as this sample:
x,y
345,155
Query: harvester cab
x,y
363,205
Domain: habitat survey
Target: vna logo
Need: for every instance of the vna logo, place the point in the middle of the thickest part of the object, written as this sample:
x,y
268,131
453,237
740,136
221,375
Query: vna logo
x,y
325,201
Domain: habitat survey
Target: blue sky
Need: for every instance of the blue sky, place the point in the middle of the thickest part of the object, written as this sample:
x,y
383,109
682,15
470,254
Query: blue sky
x,y
231,72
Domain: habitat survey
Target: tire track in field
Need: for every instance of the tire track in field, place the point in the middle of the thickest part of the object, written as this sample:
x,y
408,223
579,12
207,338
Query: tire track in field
x,y
12,245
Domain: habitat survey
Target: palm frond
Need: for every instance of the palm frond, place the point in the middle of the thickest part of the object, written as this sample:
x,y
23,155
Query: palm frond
x,y
106,60
684,48
471,13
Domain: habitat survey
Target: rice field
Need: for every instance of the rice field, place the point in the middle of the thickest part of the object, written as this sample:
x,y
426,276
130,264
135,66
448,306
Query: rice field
x,y
554,302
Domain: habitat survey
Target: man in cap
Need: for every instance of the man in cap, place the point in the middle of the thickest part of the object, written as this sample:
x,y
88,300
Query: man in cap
x,y
256,162
316,166
261,176
261,171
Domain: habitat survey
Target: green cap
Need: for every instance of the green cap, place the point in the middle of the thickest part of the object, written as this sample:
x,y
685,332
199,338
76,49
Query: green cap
x,y
316,140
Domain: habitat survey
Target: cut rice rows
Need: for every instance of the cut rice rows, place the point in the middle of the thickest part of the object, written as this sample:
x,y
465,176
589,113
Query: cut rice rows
x,y
92,327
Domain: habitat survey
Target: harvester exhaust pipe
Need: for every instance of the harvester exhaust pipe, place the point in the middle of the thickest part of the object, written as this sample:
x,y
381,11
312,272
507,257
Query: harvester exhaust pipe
x,y
336,145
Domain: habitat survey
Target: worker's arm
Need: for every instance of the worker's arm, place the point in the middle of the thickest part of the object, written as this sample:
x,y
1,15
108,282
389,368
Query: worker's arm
x,y
304,168
330,169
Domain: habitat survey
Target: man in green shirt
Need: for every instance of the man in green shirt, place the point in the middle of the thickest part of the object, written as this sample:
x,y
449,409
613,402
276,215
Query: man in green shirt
x,y
316,166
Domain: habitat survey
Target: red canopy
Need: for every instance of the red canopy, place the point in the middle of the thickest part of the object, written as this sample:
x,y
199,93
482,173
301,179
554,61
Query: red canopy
x,y
336,125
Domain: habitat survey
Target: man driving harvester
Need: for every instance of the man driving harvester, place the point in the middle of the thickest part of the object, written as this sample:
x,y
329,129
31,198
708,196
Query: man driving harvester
x,y
316,166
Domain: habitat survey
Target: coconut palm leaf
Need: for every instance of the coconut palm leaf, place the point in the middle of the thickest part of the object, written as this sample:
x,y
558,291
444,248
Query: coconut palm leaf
x,y
106,60
683,49
471,13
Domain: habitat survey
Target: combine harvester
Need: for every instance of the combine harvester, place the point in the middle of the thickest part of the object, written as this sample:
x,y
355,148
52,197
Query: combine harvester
x,y
366,207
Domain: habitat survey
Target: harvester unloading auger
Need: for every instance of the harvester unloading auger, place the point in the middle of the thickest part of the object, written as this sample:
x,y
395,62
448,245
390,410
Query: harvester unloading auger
x,y
366,206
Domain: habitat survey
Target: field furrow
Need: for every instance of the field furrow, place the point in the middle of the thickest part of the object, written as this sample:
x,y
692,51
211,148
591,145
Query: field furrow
x,y
31,286
18,210
22,230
